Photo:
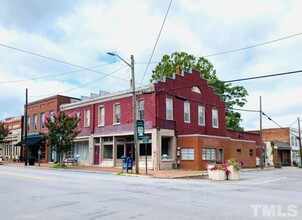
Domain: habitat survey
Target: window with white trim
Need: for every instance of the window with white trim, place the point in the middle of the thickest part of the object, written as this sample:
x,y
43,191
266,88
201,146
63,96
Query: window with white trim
x,y
201,116
169,109
35,122
101,121
215,118
87,118
187,153
141,109
51,115
209,154
187,111
117,113
28,123
42,120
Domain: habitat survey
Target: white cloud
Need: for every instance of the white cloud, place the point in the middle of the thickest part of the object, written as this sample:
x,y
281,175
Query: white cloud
x,y
81,32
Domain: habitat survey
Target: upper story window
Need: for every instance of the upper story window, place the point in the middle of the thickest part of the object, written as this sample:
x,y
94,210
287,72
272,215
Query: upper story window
x,y
42,120
294,141
201,116
117,113
215,118
169,109
35,122
28,123
187,111
101,121
196,90
51,115
87,118
141,109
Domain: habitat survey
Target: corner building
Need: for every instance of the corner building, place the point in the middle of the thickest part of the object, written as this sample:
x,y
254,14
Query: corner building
x,y
184,121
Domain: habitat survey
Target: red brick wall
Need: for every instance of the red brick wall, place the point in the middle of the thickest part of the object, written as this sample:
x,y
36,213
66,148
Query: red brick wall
x,y
276,134
228,145
126,122
181,86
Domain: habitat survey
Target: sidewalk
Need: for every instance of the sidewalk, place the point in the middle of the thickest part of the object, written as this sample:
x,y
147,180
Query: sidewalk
x,y
173,173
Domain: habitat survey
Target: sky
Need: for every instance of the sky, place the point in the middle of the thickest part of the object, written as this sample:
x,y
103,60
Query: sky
x,y
48,47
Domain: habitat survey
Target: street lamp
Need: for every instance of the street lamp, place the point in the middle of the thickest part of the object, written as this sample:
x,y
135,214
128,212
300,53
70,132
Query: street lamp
x,y
134,108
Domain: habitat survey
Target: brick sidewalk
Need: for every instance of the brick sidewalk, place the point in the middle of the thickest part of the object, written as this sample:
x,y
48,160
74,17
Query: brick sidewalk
x,y
173,173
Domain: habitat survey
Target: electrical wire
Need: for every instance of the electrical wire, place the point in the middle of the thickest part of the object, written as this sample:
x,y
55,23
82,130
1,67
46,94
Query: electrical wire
x,y
50,76
244,110
162,26
83,85
263,76
242,79
253,46
60,61
279,125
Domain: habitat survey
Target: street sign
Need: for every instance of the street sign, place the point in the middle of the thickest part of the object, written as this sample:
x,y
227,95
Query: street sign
x,y
146,139
140,126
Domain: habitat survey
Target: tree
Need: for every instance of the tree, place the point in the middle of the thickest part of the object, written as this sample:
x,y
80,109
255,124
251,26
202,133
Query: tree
x,y
62,130
231,95
3,132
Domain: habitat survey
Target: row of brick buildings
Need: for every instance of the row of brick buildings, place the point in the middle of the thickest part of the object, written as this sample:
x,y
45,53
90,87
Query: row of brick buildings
x,y
184,120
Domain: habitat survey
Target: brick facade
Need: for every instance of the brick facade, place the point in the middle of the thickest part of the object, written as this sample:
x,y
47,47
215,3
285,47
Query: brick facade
x,y
37,111
179,112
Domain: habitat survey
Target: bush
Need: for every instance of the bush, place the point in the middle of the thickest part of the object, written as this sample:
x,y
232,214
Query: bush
x,y
58,166
300,166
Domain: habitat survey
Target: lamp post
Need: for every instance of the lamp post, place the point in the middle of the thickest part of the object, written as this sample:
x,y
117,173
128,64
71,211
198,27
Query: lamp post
x,y
134,108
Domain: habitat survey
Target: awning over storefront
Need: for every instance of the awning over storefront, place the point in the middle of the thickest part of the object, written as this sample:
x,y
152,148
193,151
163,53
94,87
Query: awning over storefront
x,y
282,145
31,141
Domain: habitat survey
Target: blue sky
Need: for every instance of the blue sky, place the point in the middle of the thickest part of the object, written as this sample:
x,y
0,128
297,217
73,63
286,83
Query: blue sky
x,y
81,32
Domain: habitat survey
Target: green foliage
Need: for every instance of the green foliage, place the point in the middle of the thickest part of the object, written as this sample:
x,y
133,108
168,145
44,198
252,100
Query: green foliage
x,y
3,132
62,130
59,166
232,95
237,164
300,166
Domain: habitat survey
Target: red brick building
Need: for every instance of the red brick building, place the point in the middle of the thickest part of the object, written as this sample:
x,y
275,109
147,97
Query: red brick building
x,y
184,120
37,111
282,145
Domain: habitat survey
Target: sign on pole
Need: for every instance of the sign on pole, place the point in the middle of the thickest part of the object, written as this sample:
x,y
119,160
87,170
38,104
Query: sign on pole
x,y
140,126
146,139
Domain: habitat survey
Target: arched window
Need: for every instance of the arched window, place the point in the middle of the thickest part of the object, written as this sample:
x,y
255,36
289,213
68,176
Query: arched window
x,y
196,89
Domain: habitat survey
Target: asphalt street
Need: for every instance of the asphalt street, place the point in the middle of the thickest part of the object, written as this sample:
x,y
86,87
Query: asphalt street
x,y
31,193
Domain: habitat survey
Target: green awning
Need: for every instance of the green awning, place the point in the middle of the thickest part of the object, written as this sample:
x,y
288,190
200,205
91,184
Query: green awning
x,y
31,141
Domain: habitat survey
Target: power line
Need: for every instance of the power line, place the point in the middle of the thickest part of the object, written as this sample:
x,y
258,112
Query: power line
x,y
83,84
263,76
242,79
162,26
243,48
60,61
279,125
50,76
244,110
253,46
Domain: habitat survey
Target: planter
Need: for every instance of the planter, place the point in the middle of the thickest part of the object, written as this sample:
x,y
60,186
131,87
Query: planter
x,y
234,173
210,173
218,175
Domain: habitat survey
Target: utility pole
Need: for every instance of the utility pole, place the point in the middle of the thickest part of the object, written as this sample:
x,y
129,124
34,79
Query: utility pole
x,y
25,117
261,149
136,147
300,140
